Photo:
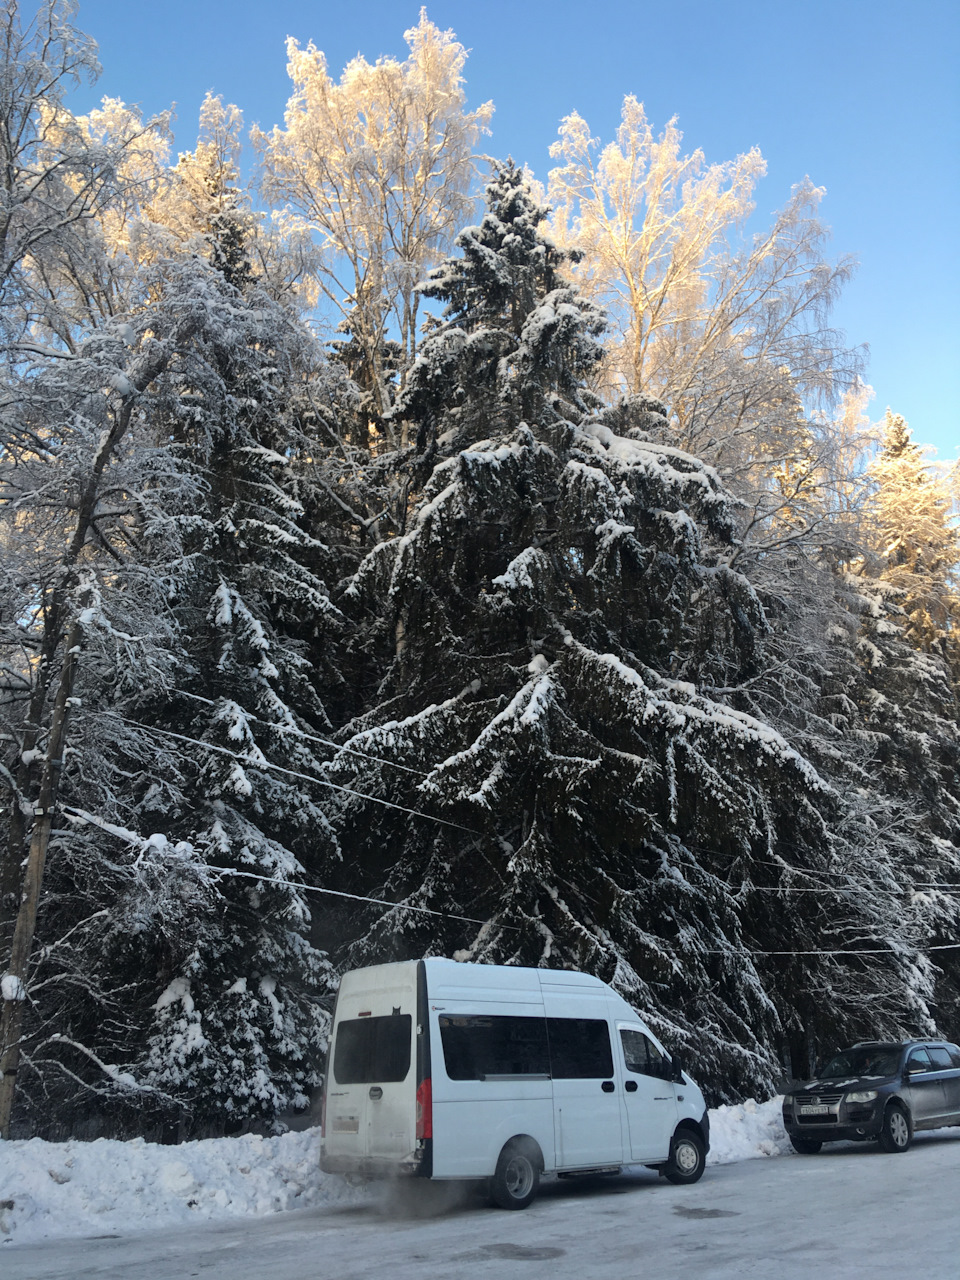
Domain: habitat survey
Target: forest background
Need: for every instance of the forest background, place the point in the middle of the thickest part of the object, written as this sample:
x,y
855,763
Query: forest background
x,y
563,606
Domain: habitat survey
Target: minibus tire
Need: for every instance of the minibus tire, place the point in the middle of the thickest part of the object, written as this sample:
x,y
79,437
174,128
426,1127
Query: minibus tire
x,y
688,1157
517,1178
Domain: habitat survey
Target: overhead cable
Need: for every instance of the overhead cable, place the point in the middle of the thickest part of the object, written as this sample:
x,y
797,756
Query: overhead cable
x,y
310,737
292,773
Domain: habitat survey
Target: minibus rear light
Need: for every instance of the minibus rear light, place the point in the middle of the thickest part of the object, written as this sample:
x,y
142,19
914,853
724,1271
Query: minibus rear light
x,y
425,1109
323,1111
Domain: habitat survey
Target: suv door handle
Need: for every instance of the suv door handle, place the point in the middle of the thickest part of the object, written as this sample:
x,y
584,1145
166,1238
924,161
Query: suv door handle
x,y
607,1086
631,1086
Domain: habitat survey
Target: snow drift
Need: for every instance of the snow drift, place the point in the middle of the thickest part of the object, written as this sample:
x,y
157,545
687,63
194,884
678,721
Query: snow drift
x,y
50,1189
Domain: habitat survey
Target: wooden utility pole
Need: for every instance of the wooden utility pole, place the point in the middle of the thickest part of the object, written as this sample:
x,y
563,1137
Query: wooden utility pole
x,y
15,977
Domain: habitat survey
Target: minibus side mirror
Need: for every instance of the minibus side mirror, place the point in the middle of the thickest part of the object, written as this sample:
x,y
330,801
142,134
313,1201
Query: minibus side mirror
x,y
676,1073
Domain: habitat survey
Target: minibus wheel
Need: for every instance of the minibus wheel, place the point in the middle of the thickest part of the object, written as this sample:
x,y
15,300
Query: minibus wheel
x,y
517,1177
687,1158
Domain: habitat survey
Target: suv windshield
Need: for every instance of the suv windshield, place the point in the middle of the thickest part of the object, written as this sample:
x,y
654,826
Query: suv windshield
x,y
877,1061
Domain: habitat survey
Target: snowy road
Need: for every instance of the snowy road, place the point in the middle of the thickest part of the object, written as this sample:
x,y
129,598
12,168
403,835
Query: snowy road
x,y
846,1213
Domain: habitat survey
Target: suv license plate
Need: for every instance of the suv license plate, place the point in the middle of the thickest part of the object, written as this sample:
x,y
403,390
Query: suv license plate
x,y
814,1111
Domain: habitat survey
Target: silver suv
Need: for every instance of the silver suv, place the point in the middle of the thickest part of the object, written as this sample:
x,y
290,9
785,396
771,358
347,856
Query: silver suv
x,y
876,1090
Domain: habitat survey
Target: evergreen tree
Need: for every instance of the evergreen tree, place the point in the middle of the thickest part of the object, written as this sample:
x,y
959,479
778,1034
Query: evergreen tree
x,y
548,625
238,1030
517,342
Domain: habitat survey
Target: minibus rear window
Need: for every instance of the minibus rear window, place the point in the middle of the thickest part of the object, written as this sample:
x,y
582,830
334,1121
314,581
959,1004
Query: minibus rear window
x,y
481,1047
373,1050
579,1048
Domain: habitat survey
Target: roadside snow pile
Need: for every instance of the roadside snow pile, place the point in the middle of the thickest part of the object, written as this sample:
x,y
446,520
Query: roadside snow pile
x,y
746,1130
94,1188
50,1189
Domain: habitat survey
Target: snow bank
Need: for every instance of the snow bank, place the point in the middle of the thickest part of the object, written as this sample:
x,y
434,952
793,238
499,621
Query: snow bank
x,y
50,1189
746,1130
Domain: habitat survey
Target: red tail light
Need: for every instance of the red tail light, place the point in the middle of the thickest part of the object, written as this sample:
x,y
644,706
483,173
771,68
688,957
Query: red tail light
x,y
424,1109
323,1111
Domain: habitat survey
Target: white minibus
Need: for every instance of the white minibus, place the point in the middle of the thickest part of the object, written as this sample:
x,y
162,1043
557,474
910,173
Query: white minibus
x,y
447,1070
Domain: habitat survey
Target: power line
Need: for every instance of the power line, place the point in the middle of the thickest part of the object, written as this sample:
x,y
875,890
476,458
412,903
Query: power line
x,y
94,821
786,868
838,889
310,737
448,915
882,951
292,773
355,897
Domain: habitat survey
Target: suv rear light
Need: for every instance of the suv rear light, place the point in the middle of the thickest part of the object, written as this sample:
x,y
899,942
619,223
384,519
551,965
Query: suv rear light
x,y
425,1109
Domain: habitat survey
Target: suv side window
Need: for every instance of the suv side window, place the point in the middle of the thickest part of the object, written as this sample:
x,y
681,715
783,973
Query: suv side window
x,y
954,1054
919,1058
641,1055
940,1058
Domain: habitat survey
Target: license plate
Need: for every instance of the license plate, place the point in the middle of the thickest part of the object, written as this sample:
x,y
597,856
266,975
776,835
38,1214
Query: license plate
x,y
814,1111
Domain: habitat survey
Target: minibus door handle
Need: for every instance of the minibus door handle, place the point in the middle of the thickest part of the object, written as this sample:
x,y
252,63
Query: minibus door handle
x,y
376,1093
607,1086
631,1086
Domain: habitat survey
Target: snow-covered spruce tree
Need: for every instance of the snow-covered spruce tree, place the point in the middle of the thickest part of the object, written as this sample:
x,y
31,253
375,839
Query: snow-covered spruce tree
x,y
856,676
839,681
174,970
237,1030
900,708
537,638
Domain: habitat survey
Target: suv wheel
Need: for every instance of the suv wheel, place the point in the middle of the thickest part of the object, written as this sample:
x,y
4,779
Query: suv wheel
x,y
895,1134
805,1146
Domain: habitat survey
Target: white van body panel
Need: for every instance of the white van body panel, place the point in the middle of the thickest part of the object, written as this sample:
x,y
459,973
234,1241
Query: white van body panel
x,y
473,1119
601,1121
587,1119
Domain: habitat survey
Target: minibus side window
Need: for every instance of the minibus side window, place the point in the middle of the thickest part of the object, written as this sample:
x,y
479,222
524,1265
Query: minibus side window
x,y
642,1055
478,1046
373,1050
579,1048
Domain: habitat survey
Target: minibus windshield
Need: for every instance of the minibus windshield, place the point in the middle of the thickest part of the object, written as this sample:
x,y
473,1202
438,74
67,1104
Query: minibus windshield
x,y
373,1050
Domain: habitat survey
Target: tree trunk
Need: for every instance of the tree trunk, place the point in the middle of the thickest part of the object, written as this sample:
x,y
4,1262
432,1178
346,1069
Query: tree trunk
x,y
15,978
11,1020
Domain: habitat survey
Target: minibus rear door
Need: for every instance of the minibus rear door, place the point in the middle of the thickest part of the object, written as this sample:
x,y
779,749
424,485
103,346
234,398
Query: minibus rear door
x,y
372,1094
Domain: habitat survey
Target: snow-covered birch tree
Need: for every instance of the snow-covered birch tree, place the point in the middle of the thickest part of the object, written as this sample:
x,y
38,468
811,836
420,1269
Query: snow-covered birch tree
x,y
380,166
917,539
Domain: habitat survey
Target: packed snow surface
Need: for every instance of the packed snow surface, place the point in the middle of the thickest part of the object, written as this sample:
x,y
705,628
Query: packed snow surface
x,y
50,1189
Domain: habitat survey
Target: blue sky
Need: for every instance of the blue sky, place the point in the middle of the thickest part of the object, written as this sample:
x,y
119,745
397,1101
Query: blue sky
x,y
862,95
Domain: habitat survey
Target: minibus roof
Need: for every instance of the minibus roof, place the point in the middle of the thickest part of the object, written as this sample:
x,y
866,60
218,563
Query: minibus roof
x,y
509,977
